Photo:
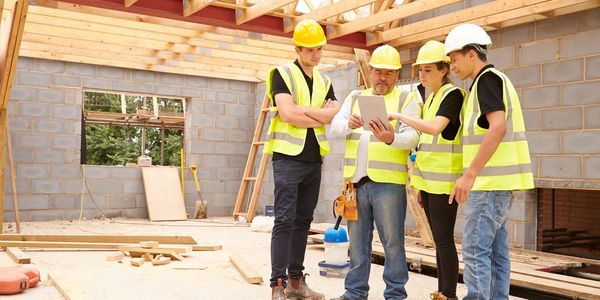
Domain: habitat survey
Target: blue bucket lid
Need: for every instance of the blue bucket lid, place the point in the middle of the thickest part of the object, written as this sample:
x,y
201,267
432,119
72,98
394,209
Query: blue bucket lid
x,y
335,236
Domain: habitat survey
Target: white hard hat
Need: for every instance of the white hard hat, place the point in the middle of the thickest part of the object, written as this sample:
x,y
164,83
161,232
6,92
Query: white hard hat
x,y
465,34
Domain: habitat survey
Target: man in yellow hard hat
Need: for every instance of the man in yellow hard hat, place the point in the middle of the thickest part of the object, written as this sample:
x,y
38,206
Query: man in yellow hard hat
x,y
304,101
496,162
376,163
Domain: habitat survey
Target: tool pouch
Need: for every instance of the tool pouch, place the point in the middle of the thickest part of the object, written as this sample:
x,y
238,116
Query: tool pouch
x,y
345,204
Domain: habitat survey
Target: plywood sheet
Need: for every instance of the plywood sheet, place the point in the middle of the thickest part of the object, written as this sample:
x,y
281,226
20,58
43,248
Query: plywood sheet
x,y
163,194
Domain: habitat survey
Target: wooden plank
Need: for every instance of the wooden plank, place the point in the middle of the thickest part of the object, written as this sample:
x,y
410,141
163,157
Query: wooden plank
x,y
134,65
18,256
74,245
3,120
163,195
129,3
115,239
398,12
171,254
206,247
502,11
457,17
362,57
9,49
159,250
522,274
418,214
259,9
328,11
249,273
191,7
67,286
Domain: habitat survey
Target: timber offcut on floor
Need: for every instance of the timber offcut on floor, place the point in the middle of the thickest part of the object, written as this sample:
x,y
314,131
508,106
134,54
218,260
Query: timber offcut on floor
x,y
529,269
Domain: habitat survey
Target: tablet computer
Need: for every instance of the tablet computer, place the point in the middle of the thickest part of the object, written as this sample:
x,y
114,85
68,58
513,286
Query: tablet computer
x,y
372,107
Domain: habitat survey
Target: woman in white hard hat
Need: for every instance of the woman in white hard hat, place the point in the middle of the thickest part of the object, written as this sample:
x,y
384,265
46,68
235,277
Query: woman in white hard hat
x,y
439,158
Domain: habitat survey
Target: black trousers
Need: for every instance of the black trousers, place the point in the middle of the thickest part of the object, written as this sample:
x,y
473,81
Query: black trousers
x,y
441,217
297,187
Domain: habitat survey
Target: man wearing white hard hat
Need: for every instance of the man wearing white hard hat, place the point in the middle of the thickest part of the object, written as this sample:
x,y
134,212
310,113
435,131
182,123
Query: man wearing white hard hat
x,y
496,162
375,163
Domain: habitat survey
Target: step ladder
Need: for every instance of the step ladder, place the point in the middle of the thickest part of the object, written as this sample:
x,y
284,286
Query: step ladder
x,y
248,177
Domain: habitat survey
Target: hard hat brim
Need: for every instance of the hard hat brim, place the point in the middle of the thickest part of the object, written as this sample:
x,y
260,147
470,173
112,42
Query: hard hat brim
x,y
430,62
385,67
310,45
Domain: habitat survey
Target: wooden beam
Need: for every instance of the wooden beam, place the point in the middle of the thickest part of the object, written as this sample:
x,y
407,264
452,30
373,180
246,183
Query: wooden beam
x,y
129,3
191,7
244,15
17,255
500,12
67,286
362,57
249,273
461,16
87,238
325,12
397,12
11,33
3,120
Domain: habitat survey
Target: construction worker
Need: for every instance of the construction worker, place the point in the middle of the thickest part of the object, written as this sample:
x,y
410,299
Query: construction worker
x,y
304,102
375,162
439,158
496,162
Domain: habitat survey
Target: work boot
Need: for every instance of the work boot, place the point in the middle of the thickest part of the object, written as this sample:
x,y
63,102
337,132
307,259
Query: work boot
x,y
342,297
297,289
440,296
278,292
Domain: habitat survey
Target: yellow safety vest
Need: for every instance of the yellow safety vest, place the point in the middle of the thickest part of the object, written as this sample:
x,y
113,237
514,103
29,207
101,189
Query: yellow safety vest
x,y
386,164
439,161
509,168
287,138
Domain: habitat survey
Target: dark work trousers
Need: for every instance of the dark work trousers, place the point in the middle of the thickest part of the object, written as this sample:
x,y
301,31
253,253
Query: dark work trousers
x,y
297,187
441,217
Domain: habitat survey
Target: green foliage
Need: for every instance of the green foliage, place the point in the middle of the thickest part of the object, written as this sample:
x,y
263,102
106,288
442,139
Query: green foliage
x,y
117,145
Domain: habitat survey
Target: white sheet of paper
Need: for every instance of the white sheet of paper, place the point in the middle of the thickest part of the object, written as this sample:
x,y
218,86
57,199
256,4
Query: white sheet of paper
x,y
372,107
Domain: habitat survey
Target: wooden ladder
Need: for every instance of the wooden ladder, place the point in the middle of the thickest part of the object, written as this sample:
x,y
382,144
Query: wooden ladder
x,y
248,171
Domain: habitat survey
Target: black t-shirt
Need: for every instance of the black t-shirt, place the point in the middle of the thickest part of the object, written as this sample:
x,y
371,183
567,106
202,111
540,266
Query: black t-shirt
x,y
311,151
489,93
449,108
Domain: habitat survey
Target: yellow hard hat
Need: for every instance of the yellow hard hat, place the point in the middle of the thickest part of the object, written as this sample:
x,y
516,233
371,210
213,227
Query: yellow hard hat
x,y
309,33
385,57
432,52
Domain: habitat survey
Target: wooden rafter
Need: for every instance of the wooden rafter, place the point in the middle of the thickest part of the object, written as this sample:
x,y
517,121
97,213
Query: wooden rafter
x,y
398,12
259,9
10,41
461,16
488,14
190,7
129,3
310,5
328,11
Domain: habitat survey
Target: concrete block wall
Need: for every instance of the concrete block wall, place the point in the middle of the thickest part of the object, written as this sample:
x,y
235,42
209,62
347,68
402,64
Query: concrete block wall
x,y
45,119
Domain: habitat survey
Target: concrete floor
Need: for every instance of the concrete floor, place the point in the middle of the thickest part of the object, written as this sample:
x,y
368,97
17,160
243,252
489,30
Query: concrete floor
x,y
88,275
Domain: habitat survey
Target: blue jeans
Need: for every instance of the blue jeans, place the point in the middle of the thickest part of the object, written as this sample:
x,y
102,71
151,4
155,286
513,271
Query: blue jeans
x,y
297,187
485,245
384,204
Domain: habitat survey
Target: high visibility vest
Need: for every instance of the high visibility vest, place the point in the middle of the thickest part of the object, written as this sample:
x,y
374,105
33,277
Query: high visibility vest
x,y
439,161
509,168
386,164
287,138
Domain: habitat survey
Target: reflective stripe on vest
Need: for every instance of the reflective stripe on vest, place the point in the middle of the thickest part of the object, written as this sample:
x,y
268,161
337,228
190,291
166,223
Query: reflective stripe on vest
x,y
509,168
287,138
439,161
386,164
